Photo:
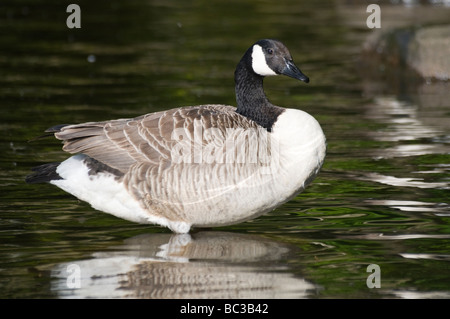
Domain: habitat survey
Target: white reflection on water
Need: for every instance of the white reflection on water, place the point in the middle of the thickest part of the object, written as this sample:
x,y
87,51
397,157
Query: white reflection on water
x,y
413,206
401,182
412,134
410,294
426,256
381,236
404,124
206,265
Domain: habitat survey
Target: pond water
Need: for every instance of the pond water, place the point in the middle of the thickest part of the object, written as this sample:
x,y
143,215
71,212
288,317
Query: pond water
x,y
381,198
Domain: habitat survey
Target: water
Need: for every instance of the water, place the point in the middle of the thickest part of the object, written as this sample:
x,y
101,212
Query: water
x,y
381,198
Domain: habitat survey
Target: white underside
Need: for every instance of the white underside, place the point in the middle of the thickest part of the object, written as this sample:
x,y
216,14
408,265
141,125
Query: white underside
x,y
106,194
208,195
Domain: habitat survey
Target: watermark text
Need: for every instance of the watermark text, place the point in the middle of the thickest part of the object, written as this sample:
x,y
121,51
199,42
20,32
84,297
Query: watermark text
x,y
74,19
374,279
73,276
374,19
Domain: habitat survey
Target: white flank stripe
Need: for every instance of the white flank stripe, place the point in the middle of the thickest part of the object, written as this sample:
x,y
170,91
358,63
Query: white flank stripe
x,y
106,194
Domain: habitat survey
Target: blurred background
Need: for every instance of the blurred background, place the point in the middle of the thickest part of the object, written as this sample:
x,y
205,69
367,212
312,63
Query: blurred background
x,y
381,95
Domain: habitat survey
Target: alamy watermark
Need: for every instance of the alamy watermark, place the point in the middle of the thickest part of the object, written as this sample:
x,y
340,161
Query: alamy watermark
x,y
73,276
214,145
374,279
74,19
224,146
374,19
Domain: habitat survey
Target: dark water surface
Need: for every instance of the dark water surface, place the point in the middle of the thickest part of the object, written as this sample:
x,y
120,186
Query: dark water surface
x,y
381,198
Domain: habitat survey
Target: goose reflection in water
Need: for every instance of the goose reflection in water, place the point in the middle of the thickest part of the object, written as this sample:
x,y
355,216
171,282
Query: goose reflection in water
x,y
200,265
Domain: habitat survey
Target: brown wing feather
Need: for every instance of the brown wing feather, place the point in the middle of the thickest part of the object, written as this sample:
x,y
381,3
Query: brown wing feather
x,y
145,139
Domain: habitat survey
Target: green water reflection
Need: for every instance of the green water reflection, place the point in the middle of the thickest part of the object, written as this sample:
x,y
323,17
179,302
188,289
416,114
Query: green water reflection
x,y
381,198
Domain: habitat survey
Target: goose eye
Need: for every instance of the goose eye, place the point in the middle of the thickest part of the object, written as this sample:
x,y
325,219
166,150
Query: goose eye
x,y
270,51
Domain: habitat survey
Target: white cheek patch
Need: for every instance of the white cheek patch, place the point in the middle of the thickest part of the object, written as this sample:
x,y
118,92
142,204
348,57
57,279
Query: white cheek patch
x,y
259,63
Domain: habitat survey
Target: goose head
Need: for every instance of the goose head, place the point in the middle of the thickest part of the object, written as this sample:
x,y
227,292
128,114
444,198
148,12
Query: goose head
x,y
271,57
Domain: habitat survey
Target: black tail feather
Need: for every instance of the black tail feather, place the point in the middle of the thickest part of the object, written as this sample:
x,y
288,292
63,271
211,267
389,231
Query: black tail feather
x,y
56,128
43,174
49,132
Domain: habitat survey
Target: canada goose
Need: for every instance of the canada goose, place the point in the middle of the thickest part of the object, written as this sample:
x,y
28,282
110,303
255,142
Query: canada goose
x,y
196,166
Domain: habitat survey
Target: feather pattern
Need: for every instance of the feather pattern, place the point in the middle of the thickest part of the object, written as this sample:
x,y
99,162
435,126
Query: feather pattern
x,y
196,166
152,137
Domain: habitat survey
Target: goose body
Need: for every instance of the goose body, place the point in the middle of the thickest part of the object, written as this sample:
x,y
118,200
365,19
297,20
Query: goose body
x,y
196,166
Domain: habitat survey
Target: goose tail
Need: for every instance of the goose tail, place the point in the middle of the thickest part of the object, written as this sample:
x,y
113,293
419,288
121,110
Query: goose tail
x,y
43,173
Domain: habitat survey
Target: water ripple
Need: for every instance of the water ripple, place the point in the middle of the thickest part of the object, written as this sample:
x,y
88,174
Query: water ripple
x,y
401,181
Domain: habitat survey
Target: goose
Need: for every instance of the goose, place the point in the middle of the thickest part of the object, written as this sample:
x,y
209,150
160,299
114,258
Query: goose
x,y
196,166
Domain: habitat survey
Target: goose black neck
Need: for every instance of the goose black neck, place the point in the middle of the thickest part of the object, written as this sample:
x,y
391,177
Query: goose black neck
x,y
251,100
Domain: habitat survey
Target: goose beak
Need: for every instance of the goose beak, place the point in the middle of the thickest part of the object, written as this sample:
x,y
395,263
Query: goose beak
x,y
293,71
